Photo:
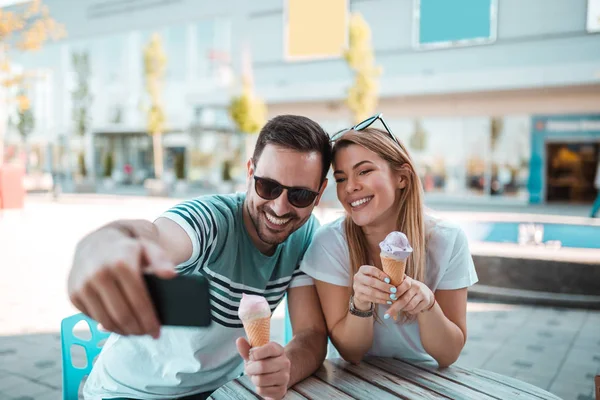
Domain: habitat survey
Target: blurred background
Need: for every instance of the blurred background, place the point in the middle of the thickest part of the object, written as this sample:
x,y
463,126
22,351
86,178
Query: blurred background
x,y
120,109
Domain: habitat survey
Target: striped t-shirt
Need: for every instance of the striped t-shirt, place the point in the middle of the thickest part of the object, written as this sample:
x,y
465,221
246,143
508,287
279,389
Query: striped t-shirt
x,y
184,361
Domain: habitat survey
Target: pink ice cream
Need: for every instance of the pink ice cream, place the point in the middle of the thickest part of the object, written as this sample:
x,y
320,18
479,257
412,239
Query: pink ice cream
x,y
396,246
253,307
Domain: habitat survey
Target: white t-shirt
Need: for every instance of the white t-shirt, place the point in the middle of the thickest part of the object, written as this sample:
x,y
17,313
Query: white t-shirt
x,y
448,266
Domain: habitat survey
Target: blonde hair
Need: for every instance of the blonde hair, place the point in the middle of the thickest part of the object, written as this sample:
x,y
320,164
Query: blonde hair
x,y
409,201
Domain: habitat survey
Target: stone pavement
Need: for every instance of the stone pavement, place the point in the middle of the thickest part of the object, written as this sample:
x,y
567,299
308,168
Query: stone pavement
x,y
557,350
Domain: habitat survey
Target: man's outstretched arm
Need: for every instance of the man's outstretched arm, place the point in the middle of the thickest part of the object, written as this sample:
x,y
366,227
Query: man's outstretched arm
x,y
106,282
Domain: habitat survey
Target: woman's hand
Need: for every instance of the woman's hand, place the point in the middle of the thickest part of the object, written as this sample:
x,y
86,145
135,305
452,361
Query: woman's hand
x,y
372,285
413,297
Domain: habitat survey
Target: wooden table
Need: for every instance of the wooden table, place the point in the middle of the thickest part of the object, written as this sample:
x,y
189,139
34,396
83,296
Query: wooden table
x,y
387,378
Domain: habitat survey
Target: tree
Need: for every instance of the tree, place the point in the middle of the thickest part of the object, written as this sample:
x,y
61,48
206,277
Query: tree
x,y
25,120
25,27
155,63
248,112
363,94
82,100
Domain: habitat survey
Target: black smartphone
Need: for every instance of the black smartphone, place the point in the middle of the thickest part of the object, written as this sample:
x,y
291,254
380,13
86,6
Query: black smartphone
x,y
180,301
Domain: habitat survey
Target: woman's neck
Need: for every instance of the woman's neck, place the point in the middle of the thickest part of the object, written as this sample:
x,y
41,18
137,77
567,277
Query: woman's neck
x,y
375,234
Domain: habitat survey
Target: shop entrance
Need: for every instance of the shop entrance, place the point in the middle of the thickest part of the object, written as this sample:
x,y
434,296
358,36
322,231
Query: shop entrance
x,y
570,171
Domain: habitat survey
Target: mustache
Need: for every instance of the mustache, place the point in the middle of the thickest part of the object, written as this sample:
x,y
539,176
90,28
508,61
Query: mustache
x,y
274,214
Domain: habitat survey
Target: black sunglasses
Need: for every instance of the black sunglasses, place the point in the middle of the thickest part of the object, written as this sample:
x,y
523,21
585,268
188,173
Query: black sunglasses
x,y
269,189
364,125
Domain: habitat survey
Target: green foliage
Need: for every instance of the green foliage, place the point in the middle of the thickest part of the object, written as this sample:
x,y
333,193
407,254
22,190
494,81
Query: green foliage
x,y
81,96
248,111
179,164
155,64
82,100
81,163
363,94
227,165
108,165
25,123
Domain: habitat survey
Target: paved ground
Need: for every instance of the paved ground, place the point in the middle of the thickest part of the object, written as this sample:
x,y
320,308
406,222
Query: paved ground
x,y
558,350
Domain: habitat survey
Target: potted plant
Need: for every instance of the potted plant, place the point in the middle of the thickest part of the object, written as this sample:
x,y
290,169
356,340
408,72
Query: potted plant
x,y
107,181
179,166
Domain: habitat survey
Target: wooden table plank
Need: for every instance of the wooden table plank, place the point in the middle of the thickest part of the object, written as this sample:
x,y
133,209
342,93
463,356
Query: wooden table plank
x,y
431,381
503,386
515,383
387,378
233,391
245,381
394,383
314,388
351,384
468,379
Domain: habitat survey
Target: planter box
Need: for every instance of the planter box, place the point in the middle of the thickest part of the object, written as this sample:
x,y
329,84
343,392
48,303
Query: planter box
x,y
84,185
12,192
108,183
156,187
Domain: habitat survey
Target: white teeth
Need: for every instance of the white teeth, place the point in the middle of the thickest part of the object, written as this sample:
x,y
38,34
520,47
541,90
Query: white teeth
x,y
361,201
277,221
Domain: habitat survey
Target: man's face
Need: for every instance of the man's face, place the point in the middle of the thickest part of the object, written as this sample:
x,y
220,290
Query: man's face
x,y
275,220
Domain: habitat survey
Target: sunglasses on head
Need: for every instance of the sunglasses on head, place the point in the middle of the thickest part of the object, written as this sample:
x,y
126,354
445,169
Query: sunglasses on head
x,y
269,189
364,125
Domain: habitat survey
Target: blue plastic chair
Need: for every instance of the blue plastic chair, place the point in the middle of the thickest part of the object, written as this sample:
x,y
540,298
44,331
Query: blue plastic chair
x,y
73,375
287,327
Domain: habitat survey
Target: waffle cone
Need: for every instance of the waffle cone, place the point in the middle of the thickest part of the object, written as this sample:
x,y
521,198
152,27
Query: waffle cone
x,y
258,331
395,269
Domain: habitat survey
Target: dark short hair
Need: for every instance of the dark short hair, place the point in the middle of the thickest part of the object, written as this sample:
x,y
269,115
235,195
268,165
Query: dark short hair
x,y
296,133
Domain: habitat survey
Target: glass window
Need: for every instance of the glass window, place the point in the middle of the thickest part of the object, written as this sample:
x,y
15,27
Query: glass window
x,y
175,47
108,57
510,152
213,46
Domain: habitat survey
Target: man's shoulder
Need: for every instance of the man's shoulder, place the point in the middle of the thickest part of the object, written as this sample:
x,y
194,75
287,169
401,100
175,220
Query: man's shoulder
x,y
216,205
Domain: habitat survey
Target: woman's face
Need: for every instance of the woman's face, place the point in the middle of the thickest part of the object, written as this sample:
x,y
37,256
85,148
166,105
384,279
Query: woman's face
x,y
366,185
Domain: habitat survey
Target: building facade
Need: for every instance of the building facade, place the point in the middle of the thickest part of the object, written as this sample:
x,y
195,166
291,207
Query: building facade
x,y
474,117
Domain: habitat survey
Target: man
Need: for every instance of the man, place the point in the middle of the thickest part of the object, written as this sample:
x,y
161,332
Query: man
x,y
250,243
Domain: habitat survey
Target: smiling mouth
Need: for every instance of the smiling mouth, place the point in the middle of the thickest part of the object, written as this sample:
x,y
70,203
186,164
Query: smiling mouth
x,y
361,202
277,221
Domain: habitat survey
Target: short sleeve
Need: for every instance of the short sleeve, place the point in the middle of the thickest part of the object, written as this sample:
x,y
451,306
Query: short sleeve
x,y
327,257
460,272
198,219
300,279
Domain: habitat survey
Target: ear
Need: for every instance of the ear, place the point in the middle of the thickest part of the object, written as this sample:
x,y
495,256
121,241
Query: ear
x,y
250,168
403,176
321,191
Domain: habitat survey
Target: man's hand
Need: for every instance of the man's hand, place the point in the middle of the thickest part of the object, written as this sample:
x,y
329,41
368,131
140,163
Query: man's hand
x,y
106,280
267,366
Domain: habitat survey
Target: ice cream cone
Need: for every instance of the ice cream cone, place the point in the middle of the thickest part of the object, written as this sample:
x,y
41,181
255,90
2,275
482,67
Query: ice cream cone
x,y
255,314
395,269
258,331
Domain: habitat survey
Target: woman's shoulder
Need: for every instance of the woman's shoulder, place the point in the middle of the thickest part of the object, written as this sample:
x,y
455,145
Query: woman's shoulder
x,y
440,232
333,229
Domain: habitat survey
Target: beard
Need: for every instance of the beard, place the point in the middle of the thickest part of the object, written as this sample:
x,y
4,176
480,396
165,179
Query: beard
x,y
266,234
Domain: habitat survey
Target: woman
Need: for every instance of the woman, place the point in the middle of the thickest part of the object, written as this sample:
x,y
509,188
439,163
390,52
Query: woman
x,y
380,191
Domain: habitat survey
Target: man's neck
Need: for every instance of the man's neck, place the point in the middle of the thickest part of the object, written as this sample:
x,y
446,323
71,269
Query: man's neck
x,y
265,248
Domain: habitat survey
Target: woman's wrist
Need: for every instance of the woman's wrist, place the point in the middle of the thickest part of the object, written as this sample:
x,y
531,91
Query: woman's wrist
x,y
362,306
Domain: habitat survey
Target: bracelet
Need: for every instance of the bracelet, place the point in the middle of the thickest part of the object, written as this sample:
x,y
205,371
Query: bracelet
x,y
360,313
